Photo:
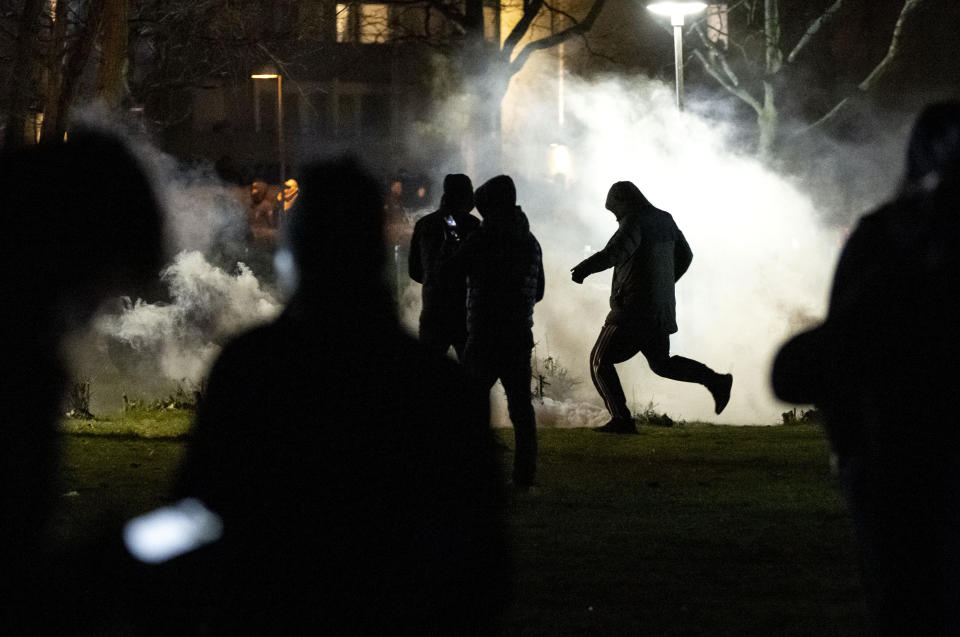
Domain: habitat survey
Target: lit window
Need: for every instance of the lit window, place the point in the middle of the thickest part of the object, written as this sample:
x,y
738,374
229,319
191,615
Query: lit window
x,y
343,23
367,23
717,24
374,23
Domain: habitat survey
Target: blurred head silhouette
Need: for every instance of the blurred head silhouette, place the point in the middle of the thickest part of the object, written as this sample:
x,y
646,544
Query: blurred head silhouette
x,y
457,194
335,230
496,195
934,149
81,222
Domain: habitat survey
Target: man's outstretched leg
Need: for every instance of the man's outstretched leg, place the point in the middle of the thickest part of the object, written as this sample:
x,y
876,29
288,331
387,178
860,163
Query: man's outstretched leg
x,y
656,348
612,346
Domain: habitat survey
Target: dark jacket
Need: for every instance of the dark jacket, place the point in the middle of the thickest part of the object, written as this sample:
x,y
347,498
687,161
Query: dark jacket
x,y
886,355
648,254
433,243
503,264
332,499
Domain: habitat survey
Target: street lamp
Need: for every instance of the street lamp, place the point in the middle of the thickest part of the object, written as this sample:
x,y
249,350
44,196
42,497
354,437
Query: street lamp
x,y
270,74
677,11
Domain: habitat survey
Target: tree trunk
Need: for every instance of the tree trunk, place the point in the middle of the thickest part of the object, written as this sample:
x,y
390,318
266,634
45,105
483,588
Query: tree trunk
x,y
24,77
55,62
767,116
73,67
767,120
114,35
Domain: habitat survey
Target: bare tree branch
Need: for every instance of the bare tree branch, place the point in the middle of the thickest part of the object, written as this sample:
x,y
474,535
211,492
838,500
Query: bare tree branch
x,y
878,71
579,28
812,30
725,83
715,50
520,29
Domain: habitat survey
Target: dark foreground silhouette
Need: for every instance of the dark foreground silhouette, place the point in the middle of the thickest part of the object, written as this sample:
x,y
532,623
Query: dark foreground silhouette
x,y
648,254
67,246
353,470
883,368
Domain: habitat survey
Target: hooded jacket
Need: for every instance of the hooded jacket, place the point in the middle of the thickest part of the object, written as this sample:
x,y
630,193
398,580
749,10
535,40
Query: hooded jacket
x,y
648,254
432,246
503,264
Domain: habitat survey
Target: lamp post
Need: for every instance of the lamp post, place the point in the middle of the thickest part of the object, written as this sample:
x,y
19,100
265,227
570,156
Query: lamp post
x,y
677,11
270,75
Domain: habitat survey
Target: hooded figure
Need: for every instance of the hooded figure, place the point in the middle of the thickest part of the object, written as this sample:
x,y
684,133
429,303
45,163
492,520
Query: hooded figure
x,y
883,370
349,503
648,254
503,265
436,238
80,225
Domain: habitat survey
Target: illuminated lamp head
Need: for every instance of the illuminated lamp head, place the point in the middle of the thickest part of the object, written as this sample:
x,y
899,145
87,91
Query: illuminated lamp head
x,y
457,194
934,148
495,196
624,197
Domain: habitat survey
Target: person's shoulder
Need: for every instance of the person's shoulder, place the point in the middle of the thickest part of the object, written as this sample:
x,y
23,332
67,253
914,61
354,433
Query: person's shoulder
x,y
248,343
470,221
427,220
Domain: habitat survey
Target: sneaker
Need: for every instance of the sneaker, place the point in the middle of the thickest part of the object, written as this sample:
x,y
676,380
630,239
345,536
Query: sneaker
x,y
721,391
617,426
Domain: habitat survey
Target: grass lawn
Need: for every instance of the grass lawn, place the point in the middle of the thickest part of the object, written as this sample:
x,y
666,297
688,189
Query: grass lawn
x,y
690,530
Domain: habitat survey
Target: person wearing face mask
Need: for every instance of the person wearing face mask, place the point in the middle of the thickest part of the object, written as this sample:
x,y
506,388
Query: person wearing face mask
x,y
648,254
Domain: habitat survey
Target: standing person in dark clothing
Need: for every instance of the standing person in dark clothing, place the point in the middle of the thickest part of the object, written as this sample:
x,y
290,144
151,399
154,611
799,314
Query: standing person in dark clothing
x,y
883,370
349,504
648,254
436,238
504,268
67,247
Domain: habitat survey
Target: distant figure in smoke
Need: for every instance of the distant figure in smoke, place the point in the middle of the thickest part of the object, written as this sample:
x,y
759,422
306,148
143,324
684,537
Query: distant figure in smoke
x,y
883,369
436,238
261,215
350,504
504,269
66,249
648,254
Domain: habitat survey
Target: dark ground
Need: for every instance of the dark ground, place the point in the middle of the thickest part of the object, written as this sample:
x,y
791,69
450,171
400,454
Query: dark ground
x,y
691,530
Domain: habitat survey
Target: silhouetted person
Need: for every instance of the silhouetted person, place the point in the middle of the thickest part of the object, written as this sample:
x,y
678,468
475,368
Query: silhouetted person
x,y
353,470
504,268
436,238
80,224
883,369
648,254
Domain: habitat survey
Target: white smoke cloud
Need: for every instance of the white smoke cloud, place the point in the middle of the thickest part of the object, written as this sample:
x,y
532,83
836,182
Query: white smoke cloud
x,y
552,414
763,257
208,306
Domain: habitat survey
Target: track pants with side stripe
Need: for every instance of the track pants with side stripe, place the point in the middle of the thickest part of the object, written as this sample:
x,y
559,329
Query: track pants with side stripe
x,y
617,344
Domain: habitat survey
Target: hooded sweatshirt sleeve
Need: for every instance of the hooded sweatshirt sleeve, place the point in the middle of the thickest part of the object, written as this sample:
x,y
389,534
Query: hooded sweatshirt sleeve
x,y
619,248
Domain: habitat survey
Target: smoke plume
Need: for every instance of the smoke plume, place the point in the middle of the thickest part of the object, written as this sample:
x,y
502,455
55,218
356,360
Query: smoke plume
x,y
764,243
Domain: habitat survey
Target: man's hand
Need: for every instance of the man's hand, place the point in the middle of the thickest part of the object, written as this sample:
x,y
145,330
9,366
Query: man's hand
x,y
579,272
